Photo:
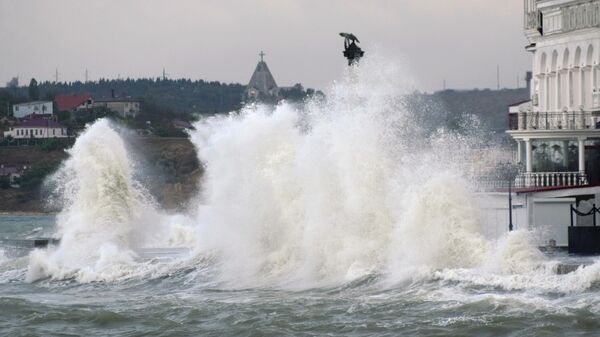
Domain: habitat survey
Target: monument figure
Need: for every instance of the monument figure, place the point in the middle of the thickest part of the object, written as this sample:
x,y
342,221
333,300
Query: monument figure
x,y
351,50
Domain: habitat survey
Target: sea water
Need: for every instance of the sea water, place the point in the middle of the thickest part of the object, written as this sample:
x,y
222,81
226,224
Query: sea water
x,y
344,216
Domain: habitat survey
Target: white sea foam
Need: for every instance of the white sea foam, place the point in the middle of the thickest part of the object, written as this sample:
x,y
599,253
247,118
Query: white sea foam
x,y
106,214
337,190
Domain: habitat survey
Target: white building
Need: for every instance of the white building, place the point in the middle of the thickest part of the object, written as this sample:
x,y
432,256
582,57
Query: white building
x,y
124,107
558,130
23,110
37,128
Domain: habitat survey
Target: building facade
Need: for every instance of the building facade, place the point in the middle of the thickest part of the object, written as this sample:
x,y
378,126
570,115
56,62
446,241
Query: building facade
x,y
37,128
558,130
30,109
124,107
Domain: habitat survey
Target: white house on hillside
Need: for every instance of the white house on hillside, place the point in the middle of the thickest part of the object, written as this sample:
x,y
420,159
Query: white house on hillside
x,y
37,128
23,110
123,106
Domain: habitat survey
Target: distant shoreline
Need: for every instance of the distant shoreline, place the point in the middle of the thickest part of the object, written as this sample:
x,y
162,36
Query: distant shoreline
x,y
17,213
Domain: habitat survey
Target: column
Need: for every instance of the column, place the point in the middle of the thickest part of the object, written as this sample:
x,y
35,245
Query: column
x,y
581,82
521,120
593,77
519,149
592,82
581,155
528,156
528,162
565,149
557,92
593,87
547,93
568,102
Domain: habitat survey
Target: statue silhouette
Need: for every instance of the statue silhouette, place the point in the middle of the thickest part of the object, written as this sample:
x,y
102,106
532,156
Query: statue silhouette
x,y
351,50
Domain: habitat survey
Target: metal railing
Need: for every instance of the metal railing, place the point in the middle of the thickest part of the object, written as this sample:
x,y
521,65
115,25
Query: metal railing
x,y
551,179
591,212
572,120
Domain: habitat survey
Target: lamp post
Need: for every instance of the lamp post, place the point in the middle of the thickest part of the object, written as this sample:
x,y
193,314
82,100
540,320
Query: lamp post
x,y
510,223
507,171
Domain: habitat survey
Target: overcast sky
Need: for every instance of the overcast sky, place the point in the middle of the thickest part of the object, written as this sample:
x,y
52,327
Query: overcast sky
x,y
461,41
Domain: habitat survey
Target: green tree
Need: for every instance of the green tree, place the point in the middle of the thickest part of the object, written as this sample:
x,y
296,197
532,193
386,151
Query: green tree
x,y
34,90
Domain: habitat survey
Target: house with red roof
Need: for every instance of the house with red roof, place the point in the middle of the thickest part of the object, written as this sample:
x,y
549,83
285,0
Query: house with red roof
x,y
74,102
37,128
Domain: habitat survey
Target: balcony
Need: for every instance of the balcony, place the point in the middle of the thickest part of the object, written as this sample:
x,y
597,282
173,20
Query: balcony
x,y
573,120
551,179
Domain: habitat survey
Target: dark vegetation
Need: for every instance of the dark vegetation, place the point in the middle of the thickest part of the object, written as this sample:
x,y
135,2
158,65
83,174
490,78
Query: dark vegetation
x,y
181,95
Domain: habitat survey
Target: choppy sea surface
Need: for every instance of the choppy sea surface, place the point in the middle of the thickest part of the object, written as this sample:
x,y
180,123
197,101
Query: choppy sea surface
x,y
186,299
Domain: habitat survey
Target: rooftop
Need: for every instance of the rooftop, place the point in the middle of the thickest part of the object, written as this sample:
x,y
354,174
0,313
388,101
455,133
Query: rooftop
x,y
33,103
39,123
262,79
70,102
116,99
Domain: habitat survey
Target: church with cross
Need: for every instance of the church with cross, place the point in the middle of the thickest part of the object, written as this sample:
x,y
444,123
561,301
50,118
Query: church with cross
x,y
262,86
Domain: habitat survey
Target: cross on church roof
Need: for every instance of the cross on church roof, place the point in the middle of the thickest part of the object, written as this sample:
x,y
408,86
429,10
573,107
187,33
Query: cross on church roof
x,y
262,54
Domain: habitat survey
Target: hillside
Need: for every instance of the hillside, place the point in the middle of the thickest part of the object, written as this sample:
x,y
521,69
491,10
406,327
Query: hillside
x,y
176,95
490,106
484,112
169,169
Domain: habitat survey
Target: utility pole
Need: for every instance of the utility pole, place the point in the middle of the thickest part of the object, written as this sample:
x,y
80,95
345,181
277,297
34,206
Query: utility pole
x,y
444,84
86,75
498,77
518,82
56,76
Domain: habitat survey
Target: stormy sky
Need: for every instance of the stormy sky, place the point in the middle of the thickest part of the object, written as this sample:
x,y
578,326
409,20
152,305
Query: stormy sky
x,y
461,41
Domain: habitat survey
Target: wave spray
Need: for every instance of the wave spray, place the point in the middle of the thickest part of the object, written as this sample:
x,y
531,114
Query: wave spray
x,y
105,214
335,190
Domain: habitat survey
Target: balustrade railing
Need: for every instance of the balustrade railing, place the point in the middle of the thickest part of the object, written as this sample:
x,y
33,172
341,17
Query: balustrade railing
x,y
551,179
573,120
